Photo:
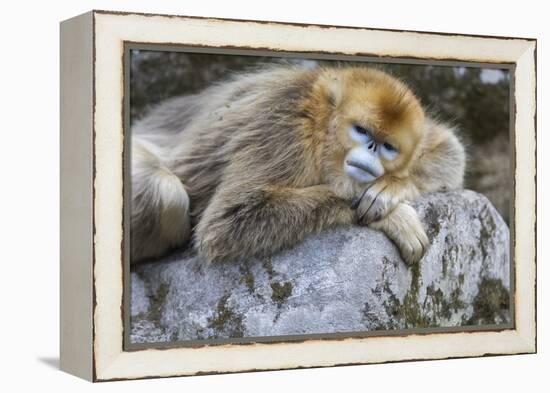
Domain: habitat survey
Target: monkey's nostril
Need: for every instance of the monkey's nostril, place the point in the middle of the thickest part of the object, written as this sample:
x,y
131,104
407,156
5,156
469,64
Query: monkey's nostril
x,y
371,145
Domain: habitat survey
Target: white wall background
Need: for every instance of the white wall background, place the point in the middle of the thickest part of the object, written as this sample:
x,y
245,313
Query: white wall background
x,y
29,195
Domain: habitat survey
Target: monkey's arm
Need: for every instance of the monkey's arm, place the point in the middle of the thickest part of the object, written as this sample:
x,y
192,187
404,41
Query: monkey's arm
x,y
439,167
247,219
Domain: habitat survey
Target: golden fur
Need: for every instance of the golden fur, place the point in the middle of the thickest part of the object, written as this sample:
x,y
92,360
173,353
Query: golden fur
x,y
255,164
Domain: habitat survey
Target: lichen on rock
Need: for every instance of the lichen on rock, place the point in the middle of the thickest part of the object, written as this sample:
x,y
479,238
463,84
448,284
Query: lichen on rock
x,y
225,321
348,279
491,304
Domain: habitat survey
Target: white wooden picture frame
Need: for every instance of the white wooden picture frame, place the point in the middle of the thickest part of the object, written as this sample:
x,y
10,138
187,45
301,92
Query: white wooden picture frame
x,y
93,254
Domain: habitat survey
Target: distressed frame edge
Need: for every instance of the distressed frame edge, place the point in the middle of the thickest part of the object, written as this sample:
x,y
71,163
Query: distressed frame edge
x,y
303,24
76,196
525,202
527,340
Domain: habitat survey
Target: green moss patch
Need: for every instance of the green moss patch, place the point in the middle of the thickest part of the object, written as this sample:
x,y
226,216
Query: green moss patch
x,y
491,304
280,292
247,278
225,321
268,266
156,302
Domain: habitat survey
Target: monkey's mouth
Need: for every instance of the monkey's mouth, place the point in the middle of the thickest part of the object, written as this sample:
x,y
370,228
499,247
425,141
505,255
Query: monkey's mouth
x,y
359,171
361,166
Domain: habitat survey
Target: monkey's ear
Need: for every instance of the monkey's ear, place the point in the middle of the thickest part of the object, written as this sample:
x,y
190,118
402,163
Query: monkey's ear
x,y
333,83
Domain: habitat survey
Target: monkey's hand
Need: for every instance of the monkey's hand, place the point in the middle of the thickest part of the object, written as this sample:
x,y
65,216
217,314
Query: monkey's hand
x,y
378,199
403,226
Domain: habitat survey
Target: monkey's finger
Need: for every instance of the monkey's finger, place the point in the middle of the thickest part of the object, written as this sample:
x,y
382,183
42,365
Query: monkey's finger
x,y
407,252
418,250
357,200
412,252
373,212
363,210
424,241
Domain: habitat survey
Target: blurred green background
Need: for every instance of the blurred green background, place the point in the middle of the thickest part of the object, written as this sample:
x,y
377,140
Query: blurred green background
x,y
475,100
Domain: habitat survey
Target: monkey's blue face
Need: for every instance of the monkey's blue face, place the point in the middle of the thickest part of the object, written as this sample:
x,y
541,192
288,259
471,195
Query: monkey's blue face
x,y
364,162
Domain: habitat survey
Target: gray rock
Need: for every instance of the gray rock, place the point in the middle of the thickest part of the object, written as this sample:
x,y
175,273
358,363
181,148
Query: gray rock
x,y
348,279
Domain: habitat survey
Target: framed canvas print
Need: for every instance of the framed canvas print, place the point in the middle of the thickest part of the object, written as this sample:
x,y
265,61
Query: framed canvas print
x,y
246,195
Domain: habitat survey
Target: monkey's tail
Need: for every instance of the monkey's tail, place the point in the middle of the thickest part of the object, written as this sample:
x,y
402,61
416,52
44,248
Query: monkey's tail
x,y
160,205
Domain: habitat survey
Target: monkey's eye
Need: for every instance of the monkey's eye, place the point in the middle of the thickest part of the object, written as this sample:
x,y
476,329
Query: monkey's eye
x,y
361,130
389,147
360,134
388,151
